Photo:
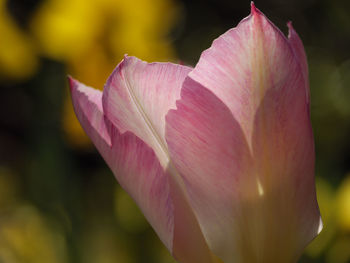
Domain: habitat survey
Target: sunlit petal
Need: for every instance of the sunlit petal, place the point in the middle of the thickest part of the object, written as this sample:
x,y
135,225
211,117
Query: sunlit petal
x,y
138,95
134,164
136,167
250,175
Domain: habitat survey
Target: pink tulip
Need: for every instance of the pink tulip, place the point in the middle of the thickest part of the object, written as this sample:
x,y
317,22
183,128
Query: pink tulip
x,y
220,157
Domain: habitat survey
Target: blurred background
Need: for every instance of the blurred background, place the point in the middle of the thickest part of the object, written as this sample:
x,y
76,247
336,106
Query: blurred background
x,y
58,200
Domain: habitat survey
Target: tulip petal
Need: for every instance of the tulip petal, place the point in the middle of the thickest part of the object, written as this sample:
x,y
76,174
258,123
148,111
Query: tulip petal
x,y
133,163
139,172
137,97
209,150
241,138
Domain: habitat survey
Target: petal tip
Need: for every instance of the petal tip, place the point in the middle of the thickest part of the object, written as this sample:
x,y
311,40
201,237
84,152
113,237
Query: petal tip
x,y
291,29
252,6
253,9
128,59
123,61
115,71
71,82
123,65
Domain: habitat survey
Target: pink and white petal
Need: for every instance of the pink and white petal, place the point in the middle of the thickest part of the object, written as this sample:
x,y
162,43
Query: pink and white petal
x,y
254,71
283,152
243,63
137,97
284,155
87,103
139,172
160,198
209,150
134,164
189,244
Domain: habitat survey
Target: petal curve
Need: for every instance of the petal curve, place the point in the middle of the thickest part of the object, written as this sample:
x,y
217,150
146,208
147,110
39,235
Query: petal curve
x,y
137,97
253,57
139,172
257,77
209,150
134,164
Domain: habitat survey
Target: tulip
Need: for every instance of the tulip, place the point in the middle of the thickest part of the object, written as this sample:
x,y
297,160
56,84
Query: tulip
x,y
219,157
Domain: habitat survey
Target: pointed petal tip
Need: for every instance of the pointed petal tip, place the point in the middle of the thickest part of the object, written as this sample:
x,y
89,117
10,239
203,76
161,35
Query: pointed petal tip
x,y
252,6
291,29
253,9
77,86
122,64
71,82
118,69
126,58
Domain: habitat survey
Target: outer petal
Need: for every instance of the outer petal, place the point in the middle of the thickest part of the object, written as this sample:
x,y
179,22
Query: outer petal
x,y
154,188
138,95
133,163
253,186
208,148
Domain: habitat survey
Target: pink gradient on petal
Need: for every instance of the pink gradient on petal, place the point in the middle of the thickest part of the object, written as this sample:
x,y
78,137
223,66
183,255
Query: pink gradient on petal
x,y
139,172
134,164
210,152
261,179
137,97
219,158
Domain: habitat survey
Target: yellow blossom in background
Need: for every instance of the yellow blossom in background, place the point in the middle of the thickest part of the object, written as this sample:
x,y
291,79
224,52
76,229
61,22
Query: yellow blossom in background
x,y
91,37
343,205
17,53
64,29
